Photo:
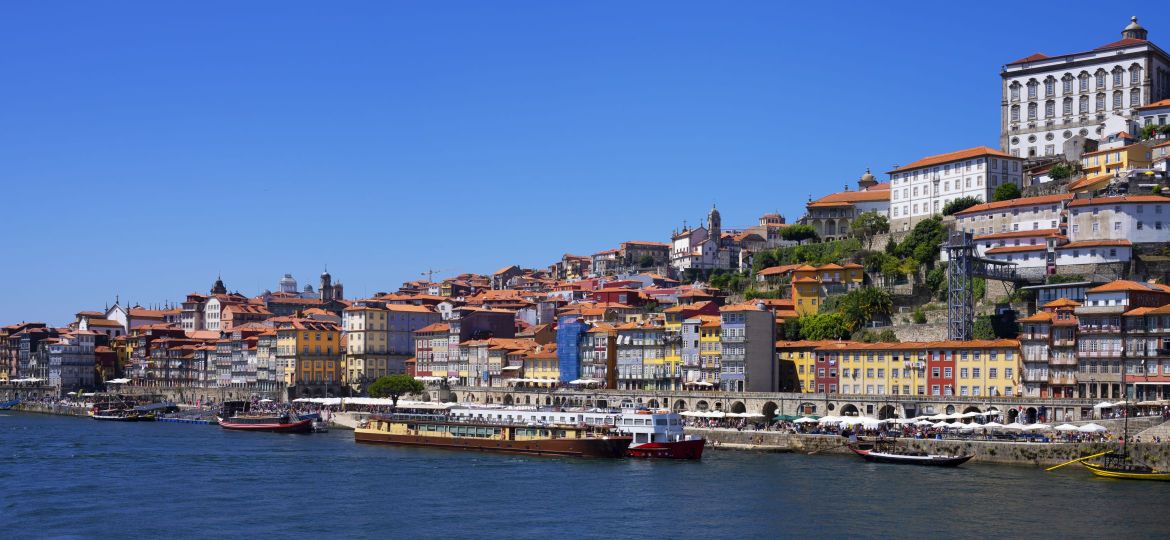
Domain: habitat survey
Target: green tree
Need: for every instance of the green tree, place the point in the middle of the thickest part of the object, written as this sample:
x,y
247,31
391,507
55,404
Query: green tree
x,y
823,326
919,316
959,204
646,261
1060,171
984,329
798,233
860,306
395,386
887,336
936,280
922,244
1006,192
869,224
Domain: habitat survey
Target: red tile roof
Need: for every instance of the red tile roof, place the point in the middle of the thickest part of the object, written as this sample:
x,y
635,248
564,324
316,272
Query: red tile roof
x,y
1119,200
1155,105
938,159
1122,43
1096,243
1014,249
1027,201
844,198
1030,58
1016,234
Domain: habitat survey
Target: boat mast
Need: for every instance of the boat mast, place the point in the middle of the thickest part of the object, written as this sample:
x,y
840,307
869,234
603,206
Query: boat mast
x,y
1124,401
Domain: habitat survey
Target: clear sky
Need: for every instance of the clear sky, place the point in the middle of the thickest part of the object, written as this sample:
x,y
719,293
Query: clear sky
x,y
147,146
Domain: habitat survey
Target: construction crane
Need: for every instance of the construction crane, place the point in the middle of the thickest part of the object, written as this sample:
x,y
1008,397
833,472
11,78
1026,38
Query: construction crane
x,y
430,274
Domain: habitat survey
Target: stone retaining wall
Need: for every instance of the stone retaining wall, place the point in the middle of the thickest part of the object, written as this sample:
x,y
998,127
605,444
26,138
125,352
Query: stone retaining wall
x,y
1005,453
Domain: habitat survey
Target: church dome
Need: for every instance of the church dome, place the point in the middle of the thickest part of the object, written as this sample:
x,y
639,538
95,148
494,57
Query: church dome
x,y
1134,30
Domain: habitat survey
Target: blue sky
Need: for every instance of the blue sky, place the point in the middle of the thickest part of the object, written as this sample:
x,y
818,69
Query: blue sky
x,y
148,146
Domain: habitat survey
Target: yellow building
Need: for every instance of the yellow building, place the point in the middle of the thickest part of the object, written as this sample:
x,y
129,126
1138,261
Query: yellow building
x,y
811,285
988,368
542,365
311,354
802,356
1134,156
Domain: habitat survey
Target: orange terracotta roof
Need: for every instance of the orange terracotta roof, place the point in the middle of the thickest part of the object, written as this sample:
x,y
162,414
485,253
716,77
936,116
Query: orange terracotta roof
x,y
1089,181
1096,243
1109,150
844,198
1014,249
1127,42
411,308
1027,201
1155,105
1030,58
939,159
1038,317
1062,302
778,270
1120,200
436,327
1122,285
146,313
1017,234
1137,312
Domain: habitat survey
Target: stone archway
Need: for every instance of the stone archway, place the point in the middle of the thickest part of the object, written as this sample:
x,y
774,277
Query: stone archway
x,y
887,412
702,405
547,400
527,400
769,410
971,409
738,407
950,409
601,404
679,405
507,399
807,408
653,404
850,409
1012,415
1030,415
719,405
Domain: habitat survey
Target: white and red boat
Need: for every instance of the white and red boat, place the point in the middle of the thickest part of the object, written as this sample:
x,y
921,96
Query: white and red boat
x,y
659,434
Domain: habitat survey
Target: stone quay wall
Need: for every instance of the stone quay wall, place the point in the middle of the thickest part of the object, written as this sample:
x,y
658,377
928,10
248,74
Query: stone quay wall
x,y
991,452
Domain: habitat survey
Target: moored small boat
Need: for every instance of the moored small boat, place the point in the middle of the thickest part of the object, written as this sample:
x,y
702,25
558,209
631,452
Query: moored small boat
x,y
273,423
910,458
1121,467
114,416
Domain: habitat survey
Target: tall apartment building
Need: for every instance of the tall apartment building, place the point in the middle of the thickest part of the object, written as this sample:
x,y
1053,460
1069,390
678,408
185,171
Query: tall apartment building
x,y
1048,100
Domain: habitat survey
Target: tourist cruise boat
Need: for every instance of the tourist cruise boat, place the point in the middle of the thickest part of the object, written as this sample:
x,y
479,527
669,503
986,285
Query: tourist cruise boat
x,y
655,433
493,435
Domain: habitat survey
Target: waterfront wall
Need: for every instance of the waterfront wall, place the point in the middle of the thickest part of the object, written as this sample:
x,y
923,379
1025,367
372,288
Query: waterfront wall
x,y
993,452
54,408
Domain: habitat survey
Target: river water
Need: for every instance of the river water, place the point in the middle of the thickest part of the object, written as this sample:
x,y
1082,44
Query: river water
x,y
74,477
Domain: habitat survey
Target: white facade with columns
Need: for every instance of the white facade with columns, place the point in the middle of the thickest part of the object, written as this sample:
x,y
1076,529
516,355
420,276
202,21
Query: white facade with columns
x,y
1050,99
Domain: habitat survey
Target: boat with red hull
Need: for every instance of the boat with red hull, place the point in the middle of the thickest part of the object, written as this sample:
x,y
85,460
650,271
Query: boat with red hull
x,y
689,449
272,423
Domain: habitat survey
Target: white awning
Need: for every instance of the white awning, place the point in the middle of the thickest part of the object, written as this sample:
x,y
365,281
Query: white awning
x,y
1092,428
117,381
511,368
1066,427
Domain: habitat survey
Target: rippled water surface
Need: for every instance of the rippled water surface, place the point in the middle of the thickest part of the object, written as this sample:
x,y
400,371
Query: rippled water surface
x,y
70,477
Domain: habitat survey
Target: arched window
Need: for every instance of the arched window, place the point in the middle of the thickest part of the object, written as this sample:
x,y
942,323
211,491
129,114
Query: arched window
x,y
1101,76
1084,105
1049,109
1100,102
1032,85
1015,113
1031,111
1068,106
1135,97
1049,86
1015,91
1066,85
1135,74
1117,100
1084,81
1118,76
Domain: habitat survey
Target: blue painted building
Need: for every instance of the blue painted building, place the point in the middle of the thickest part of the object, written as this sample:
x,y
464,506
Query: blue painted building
x,y
571,333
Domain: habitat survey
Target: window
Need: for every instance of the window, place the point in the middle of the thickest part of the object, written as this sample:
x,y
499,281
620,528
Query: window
x,y
1031,111
1032,89
1015,115
1135,97
1100,102
1084,105
1117,77
1067,84
1015,92
1049,109
1049,86
1101,79
1068,110
1116,100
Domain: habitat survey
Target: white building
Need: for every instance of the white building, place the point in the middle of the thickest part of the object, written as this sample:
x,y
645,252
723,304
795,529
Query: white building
x,y
1050,99
1140,219
703,248
922,188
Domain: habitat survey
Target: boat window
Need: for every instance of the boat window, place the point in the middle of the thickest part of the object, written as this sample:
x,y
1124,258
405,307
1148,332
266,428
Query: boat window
x,y
660,422
544,433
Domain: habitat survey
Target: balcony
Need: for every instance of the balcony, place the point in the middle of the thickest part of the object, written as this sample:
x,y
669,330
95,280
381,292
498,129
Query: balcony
x,y
1099,354
1062,379
1099,329
1064,342
1034,335
1062,361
